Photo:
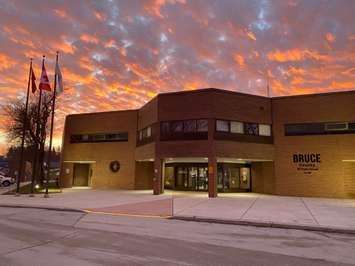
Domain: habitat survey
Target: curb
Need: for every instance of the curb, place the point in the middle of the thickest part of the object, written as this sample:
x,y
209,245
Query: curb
x,y
41,208
266,224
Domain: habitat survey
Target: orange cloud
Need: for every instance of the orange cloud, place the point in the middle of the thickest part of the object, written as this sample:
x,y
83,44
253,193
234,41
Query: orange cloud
x,y
89,38
349,72
6,62
239,59
296,71
296,55
330,37
60,12
100,16
250,34
66,47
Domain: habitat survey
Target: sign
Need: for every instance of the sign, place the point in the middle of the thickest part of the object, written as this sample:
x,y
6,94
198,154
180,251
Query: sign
x,y
306,162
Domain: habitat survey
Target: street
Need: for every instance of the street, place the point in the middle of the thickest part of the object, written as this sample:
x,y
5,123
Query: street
x,y
43,237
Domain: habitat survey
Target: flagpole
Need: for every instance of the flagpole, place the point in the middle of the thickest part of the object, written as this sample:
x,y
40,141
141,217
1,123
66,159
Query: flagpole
x,y
35,159
20,170
46,195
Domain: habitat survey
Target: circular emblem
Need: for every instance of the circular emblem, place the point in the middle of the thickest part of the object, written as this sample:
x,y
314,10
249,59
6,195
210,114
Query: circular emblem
x,y
115,166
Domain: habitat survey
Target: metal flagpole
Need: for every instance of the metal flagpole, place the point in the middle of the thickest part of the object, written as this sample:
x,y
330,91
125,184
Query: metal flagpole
x,y
20,170
35,159
46,195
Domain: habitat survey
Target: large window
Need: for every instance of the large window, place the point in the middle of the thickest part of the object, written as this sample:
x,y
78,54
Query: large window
x,y
222,125
264,130
99,137
237,127
184,129
202,125
251,129
145,133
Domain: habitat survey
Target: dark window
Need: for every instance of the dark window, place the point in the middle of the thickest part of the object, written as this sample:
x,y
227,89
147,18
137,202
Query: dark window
x,y
319,128
202,125
165,128
251,129
176,127
99,137
189,126
304,129
184,130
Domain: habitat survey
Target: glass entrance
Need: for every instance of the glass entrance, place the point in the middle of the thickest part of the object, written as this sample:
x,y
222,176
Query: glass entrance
x,y
181,176
233,177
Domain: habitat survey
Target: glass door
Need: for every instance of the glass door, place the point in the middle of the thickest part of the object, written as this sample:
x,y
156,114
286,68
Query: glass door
x,y
202,181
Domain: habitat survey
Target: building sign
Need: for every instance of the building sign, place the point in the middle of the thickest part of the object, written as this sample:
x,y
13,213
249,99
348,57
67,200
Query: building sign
x,y
306,162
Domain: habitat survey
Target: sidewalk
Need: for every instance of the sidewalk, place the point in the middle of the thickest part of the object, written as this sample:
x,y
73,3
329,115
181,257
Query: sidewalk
x,y
235,208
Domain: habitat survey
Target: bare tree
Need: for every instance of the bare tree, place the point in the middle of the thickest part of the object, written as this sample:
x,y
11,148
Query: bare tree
x,y
15,113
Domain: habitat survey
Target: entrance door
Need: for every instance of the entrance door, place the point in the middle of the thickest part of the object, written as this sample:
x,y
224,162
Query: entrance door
x,y
81,175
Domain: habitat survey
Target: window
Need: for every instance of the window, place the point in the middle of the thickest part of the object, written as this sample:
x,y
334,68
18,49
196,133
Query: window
x,y
222,125
320,128
237,127
165,128
176,127
184,129
99,137
264,130
149,132
336,126
202,125
251,129
145,133
189,126
304,129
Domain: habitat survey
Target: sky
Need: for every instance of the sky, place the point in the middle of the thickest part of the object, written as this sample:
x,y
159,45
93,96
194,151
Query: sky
x,y
119,54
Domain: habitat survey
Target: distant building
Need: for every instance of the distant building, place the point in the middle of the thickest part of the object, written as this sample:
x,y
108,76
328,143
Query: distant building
x,y
217,141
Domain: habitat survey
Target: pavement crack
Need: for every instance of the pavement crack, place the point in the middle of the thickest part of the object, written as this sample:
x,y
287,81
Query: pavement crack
x,y
309,210
251,206
188,208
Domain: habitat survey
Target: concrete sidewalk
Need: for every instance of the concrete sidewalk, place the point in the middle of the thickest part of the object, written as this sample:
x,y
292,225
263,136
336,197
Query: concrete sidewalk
x,y
236,208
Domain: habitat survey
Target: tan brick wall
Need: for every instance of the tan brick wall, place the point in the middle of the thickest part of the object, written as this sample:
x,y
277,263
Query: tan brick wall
x,y
104,152
329,180
263,178
144,175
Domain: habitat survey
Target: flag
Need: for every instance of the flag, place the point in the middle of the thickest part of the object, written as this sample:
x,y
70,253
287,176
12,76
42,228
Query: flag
x,y
59,79
33,81
44,84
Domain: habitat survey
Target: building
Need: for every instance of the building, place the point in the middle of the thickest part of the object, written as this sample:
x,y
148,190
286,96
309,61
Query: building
x,y
218,141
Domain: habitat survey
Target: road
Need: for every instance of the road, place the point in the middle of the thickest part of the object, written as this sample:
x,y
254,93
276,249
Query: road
x,y
42,237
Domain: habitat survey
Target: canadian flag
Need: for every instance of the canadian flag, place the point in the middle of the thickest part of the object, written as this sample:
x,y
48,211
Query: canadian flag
x,y
44,84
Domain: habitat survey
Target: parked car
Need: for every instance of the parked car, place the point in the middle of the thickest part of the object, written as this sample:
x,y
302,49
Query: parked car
x,y
6,181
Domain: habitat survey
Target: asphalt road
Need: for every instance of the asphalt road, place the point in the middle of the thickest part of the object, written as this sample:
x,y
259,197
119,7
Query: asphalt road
x,y
41,237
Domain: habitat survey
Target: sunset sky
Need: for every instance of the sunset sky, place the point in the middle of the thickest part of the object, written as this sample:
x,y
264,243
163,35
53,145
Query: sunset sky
x,y
119,54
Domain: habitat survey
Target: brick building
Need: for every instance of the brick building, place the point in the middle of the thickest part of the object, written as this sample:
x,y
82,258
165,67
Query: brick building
x,y
217,141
